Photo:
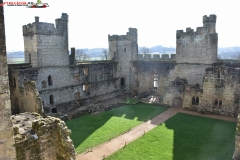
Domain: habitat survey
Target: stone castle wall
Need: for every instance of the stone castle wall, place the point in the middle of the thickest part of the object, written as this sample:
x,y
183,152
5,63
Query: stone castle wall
x,y
68,83
7,150
193,73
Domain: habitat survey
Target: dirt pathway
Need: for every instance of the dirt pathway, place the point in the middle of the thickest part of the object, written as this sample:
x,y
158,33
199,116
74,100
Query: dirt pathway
x,y
115,144
108,148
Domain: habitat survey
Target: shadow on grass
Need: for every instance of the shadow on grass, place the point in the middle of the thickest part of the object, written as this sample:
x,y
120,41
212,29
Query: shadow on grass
x,y
201,138
91,130
183,137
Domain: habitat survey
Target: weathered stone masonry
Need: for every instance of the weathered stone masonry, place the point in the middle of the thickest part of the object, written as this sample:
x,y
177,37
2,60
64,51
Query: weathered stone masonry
x,y
28,135
195,75
7,150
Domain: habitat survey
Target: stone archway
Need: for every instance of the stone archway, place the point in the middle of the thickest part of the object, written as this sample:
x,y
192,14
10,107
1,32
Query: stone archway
x,y
178,102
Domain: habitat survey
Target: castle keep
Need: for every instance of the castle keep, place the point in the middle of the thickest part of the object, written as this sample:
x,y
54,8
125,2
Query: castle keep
x,y
52,81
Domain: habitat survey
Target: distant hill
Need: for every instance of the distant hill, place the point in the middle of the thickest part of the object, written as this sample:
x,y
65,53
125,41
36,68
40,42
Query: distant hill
x,y
225,53
162,49
229,52
18,54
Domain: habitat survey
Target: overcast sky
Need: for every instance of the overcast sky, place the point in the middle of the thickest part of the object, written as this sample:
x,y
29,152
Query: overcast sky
x,y
90,21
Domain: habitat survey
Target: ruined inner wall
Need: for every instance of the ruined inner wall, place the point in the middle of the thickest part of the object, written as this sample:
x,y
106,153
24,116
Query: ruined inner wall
x,y
146,72
7,151
67,84
194,73
200,46
26,98
45,45
221,90
42,138
124,49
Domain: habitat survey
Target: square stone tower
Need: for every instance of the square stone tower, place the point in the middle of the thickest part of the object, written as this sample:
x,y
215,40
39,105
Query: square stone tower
x,y
124,48
45,44
200,46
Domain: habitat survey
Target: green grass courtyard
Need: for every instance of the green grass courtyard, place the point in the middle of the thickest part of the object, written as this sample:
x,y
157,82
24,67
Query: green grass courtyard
x,y
91,130
183,137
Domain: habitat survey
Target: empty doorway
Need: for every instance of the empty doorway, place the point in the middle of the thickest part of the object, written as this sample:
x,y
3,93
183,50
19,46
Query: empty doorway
x,y
177,102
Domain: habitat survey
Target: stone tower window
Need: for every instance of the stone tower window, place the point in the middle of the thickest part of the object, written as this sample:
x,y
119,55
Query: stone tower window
x,y
85,71
125,50
155,82
197,101
122,82
219,75
51,98
193,101
50,80
86,88
30,58
220,103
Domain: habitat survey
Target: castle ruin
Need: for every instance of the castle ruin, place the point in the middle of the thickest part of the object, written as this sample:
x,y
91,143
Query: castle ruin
x,y
51,80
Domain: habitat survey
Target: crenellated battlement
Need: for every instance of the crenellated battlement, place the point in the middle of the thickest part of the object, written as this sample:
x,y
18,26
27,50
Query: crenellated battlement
x,y
208,20
130,35
208,27
156,57
46,28
198,46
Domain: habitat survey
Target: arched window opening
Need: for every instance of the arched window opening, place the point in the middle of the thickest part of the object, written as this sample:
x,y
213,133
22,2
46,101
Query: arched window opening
x,y
216,102
155,82
50,80
51,99
122,82
193,100
220,103
197,101
218,75
85,71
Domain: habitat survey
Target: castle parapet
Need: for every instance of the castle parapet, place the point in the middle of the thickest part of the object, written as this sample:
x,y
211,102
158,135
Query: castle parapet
x,y
140,56
165,56
130,35
207,22
45,28
173,57
147,57
156,57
